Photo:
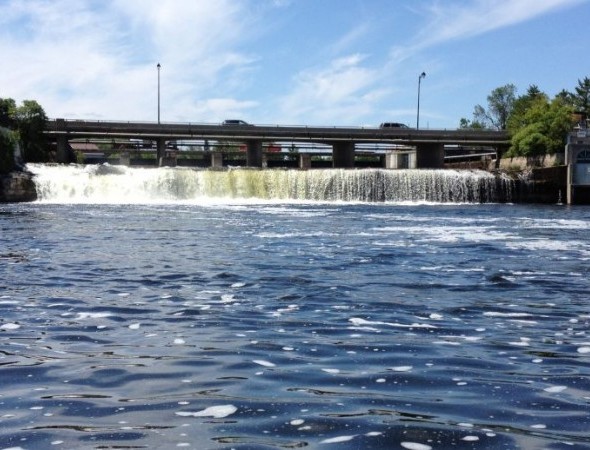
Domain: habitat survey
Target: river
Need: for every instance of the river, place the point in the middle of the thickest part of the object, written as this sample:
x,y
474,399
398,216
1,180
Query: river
x,y
139,310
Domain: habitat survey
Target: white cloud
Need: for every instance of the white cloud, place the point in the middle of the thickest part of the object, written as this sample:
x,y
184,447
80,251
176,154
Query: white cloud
x,y
246,59
226,108
487,15
99,59
460,20
341,91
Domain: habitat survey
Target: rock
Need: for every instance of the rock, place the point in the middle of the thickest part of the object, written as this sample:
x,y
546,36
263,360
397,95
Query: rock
x,y
17,187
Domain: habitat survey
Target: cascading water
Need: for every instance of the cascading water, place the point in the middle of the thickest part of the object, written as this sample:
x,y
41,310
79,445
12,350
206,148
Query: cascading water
x,y
120,184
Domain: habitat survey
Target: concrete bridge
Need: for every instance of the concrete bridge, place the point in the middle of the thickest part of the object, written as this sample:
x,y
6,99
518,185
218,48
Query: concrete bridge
x,y
429,143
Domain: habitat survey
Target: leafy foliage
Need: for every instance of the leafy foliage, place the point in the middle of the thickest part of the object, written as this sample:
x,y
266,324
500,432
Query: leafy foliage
x,y
7,142
538,125
27,123
7,113
31,122
500,105
540,128
582,96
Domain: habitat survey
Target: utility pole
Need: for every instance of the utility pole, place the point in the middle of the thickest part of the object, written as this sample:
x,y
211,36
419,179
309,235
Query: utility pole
x,y
422,75
158,66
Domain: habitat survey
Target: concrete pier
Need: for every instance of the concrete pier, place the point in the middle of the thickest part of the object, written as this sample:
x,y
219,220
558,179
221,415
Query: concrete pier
x,y
254,153
343,155
430,155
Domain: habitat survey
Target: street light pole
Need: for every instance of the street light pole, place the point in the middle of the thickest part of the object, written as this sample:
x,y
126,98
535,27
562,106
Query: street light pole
x,y
158,66
422,75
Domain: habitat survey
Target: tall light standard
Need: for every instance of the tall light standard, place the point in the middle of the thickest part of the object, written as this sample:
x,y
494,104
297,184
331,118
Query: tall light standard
x,y
158,66
422,75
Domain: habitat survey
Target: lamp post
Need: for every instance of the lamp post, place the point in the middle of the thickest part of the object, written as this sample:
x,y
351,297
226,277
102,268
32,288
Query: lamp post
x,y
158,66
422,75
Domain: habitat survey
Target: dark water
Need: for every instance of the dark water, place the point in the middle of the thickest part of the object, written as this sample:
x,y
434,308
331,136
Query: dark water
x,y
280,326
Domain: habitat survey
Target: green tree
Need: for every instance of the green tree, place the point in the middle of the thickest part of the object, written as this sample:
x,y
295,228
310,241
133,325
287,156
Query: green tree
x,y
522,106
7,143
542,128
31,122
581,97
470,124
500,104
7,113
567,97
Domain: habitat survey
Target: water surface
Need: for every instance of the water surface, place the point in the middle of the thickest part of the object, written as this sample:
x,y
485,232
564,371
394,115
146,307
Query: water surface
x,y
272,325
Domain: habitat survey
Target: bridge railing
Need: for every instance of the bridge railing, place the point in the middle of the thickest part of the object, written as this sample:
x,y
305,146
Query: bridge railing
x,y
259,125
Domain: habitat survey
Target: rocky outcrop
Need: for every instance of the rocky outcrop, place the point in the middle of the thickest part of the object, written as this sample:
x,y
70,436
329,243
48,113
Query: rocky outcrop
x,y
17,187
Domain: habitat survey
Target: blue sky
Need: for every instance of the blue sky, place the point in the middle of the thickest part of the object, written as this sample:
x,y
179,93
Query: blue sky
x,y
296,62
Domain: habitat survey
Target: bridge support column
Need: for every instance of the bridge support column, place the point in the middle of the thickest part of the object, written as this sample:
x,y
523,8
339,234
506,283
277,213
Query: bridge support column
x,y
160,150
217,159
343,155
304,161
400,160
125,159
430,156
63,149
254,153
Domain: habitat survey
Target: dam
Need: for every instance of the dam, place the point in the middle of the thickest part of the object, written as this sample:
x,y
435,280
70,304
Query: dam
x,y
121,184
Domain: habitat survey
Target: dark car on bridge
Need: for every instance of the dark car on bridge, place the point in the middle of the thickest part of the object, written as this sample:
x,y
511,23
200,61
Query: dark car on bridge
x,y
393,125
235,122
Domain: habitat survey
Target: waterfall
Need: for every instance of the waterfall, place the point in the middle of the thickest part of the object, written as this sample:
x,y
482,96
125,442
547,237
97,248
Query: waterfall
x,y
121,184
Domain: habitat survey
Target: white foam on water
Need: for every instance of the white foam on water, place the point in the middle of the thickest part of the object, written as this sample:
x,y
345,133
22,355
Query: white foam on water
x,y
362,322
217,412
555,389
501,314
584,350
88,315
446,342
522,343
9,302
262,362
549,245
464,424
401,368
338,439
415,446
9,326
557,224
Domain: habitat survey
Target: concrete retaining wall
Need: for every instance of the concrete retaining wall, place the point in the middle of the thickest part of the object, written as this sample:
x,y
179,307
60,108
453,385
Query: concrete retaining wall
x,y
523,163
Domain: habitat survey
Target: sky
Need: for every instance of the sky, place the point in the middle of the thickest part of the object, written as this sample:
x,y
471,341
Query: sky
x,y
287,62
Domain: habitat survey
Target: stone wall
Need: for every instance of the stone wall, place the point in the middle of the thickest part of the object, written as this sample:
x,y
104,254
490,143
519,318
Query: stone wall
x,y
17,187
521,163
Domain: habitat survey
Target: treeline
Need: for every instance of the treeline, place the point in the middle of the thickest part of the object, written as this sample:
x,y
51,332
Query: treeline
x,y
537,124
23,126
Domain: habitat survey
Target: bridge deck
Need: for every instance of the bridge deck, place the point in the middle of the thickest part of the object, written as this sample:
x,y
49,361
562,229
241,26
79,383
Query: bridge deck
x,y
178,131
